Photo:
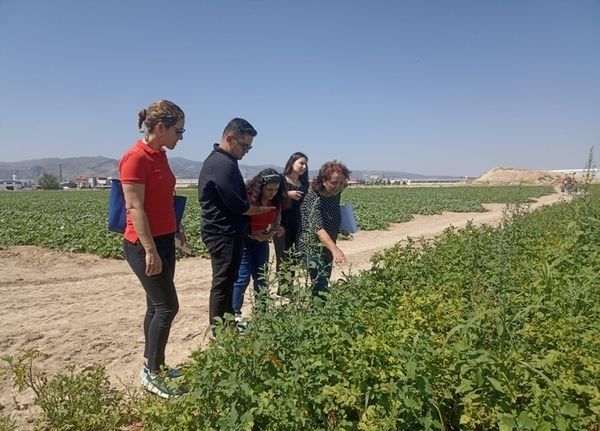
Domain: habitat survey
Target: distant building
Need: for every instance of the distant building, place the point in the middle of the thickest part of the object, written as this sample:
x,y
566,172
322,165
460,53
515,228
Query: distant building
x,y
352,181
10,185
67,185
377,178
99,182
81,182
433,180
17,184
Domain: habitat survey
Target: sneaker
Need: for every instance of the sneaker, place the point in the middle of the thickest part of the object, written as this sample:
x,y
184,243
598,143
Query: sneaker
x,y
172,373
157,385
240,324
143,372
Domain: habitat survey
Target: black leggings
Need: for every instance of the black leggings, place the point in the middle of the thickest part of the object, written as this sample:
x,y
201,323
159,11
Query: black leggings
x,y
161,297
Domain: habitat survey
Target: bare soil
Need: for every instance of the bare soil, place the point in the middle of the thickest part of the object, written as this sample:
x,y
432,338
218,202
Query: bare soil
x,y
80,309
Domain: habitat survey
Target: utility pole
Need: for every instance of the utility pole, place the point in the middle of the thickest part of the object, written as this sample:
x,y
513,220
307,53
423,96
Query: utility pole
x,y
60,170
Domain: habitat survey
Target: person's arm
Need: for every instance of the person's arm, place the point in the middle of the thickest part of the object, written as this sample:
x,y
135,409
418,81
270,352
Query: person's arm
x,y
338,255
262,236
234,197
295,194
134,202
258,209
277,228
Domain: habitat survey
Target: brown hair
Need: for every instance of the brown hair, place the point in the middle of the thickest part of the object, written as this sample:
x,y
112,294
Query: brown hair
x,y
325,173
289,166
161,111
266,176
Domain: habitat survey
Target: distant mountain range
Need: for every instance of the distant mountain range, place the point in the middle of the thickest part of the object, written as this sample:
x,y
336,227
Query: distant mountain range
x,y
73,167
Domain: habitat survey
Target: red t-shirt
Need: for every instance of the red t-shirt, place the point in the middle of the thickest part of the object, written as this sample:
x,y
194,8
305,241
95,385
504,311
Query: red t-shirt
x,y
142,164
259,222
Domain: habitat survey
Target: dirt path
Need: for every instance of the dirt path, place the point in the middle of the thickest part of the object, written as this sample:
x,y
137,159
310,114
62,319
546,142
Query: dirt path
x,y
81,309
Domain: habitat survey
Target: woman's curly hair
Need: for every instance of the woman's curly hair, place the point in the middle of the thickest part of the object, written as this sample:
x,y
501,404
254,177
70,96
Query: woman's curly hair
x,y
266,176
325,173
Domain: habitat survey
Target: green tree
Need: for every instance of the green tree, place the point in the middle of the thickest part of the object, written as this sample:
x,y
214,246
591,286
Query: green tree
x,y
48,181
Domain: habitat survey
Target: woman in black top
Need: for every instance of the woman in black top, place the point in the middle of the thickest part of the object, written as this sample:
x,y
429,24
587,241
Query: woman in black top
x,y
296,183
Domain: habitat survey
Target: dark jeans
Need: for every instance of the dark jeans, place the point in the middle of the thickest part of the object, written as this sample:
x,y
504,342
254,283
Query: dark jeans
x,y
225,257
255,259
161,298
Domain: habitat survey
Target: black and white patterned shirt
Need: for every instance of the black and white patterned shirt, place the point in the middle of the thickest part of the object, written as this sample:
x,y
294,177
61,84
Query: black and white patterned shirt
x,y
318,212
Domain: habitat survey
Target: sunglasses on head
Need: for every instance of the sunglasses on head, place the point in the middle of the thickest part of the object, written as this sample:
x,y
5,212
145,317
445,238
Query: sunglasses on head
x,y
271,178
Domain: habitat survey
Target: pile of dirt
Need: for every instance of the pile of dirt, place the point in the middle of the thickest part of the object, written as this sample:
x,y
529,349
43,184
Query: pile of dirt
x,y
512,176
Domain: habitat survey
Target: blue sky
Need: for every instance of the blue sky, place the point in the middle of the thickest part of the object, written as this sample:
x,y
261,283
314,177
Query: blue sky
x,y
431,87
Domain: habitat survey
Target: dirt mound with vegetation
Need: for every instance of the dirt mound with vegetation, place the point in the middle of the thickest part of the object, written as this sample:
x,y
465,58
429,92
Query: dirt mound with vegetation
x,y
512,176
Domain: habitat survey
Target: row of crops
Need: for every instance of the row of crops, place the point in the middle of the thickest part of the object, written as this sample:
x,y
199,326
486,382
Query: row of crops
x,y
76,221
479,329
377,208
482,328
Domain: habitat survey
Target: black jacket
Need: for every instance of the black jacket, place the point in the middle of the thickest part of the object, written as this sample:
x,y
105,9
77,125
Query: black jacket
x,y
222,196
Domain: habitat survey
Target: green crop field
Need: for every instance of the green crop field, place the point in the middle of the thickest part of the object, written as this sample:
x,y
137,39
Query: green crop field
x,y
482,328
376,208
76,220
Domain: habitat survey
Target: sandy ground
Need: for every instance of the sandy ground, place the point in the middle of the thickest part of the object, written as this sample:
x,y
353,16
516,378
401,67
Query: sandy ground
x,y
80,309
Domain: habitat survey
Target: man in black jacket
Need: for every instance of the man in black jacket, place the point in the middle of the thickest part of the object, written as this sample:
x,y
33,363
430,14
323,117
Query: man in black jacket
x,y
225,211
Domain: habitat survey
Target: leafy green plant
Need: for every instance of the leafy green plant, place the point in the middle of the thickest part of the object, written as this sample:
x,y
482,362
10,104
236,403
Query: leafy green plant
x,y
75,400
377,208
7,423
48,181
481,328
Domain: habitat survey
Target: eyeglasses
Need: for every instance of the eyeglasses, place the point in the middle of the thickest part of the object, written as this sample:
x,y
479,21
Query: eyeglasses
x,y
245,147
180,132
271,178
337,184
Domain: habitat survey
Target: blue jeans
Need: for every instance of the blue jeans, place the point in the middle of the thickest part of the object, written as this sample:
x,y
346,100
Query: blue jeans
x,y
255,258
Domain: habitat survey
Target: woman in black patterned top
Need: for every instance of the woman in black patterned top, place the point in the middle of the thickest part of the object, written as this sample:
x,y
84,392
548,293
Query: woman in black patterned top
x,y
296,183
321,220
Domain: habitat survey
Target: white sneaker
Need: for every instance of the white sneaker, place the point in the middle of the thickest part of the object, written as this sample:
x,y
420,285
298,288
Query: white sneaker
x,y
172,373
157,385
240,324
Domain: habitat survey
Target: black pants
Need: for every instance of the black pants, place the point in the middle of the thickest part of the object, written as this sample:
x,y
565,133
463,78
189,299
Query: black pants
x,y
225,257
161,297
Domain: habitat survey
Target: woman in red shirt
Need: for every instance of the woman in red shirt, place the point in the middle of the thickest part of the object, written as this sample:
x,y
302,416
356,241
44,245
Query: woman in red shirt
x,y
264,189
149,237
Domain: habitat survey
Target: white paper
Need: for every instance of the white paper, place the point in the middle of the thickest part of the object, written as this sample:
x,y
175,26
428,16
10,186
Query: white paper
x,y
348,221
